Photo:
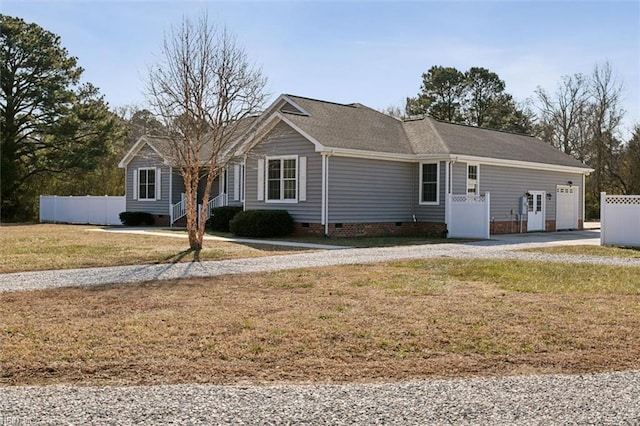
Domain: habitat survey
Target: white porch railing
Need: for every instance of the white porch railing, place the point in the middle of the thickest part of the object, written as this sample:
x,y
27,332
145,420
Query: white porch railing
x,y
219,201
179,210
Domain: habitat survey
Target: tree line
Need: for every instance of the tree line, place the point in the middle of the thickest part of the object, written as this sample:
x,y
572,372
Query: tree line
x,y
59,136
582,118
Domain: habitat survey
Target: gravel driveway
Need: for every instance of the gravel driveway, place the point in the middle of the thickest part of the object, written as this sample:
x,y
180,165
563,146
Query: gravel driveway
x,y
603,399
504,248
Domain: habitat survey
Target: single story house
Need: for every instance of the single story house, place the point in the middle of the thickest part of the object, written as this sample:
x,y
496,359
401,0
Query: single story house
x,y
347,169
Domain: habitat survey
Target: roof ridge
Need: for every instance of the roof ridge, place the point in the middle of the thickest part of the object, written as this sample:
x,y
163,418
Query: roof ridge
x,y
481,127
352,105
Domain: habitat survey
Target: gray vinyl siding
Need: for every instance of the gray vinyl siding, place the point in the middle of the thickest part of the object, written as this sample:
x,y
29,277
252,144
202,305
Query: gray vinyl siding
x,y
283,140
369,191
177,187
147,157
508,184
459,178
430,213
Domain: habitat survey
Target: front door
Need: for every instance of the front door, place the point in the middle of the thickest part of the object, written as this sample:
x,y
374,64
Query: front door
x,y
535,213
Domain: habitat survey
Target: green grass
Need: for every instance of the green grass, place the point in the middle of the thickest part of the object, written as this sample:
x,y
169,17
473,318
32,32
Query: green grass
x,y
536,277
588,250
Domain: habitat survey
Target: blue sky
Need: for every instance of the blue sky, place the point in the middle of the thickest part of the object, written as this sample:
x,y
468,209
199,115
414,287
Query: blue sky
x,y
372,52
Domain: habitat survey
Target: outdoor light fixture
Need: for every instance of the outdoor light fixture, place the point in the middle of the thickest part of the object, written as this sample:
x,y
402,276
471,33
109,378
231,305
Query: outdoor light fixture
x,y
548,196
570,182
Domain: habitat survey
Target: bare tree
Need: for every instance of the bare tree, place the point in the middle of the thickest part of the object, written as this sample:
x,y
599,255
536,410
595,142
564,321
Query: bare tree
x,y
564,114
583,119
394,111
606,116
202,88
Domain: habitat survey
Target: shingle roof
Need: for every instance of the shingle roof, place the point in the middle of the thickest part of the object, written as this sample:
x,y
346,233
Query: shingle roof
x,y
480,142
351,126
166,148
358,127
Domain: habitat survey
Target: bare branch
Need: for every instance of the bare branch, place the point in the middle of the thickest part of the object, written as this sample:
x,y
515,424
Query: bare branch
x,y
201,89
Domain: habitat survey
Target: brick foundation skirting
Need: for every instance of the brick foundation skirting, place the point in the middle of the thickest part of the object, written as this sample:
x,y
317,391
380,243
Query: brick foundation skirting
x,y
373,229
161,220
513,227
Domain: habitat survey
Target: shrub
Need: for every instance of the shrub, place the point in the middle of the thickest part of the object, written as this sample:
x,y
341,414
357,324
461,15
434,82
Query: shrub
x,y
262,223
136,218
221,216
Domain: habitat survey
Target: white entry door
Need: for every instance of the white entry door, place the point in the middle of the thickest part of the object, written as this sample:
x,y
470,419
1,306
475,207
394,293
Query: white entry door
x,y
566,207
535,216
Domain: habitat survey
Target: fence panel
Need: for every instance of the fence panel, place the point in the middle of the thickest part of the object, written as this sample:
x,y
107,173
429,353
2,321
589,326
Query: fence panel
x,y
90,209
468,216
619,220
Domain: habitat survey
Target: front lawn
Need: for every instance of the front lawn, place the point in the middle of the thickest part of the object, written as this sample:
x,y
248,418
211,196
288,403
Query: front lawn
x,y
365,323
48,246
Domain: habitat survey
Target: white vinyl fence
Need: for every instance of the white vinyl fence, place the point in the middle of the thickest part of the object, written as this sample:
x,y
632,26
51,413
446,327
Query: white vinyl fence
x,y
619,220
468,216
95,210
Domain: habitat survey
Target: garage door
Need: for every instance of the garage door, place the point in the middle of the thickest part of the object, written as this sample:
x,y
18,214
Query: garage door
x,y
566,207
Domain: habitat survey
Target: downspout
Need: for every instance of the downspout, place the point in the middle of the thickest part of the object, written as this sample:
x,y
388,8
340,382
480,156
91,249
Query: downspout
x,y
324,220
170,196
584,179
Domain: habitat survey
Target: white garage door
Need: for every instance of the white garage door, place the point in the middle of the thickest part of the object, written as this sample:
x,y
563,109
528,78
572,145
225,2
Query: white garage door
x,y
566,207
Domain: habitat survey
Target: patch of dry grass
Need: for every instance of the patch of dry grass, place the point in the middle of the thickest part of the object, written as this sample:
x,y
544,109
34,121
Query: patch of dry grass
x,y
398,321
48,246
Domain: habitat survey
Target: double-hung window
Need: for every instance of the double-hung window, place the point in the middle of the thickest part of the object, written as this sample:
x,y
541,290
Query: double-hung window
x,y
429,184
472,179
282,182
147,184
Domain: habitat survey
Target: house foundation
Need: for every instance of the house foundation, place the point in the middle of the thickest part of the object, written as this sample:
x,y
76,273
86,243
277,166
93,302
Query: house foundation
x,y
378,229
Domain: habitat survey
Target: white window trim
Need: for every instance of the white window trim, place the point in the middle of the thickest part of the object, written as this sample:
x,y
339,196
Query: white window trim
x,y
477,178
429,203
137,182
266,180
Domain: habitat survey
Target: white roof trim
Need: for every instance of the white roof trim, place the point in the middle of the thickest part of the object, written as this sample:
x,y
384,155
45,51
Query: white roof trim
x,y
314,141
262,123
374,155
520,164
270,116
137,146
294,104
269,124
252,134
